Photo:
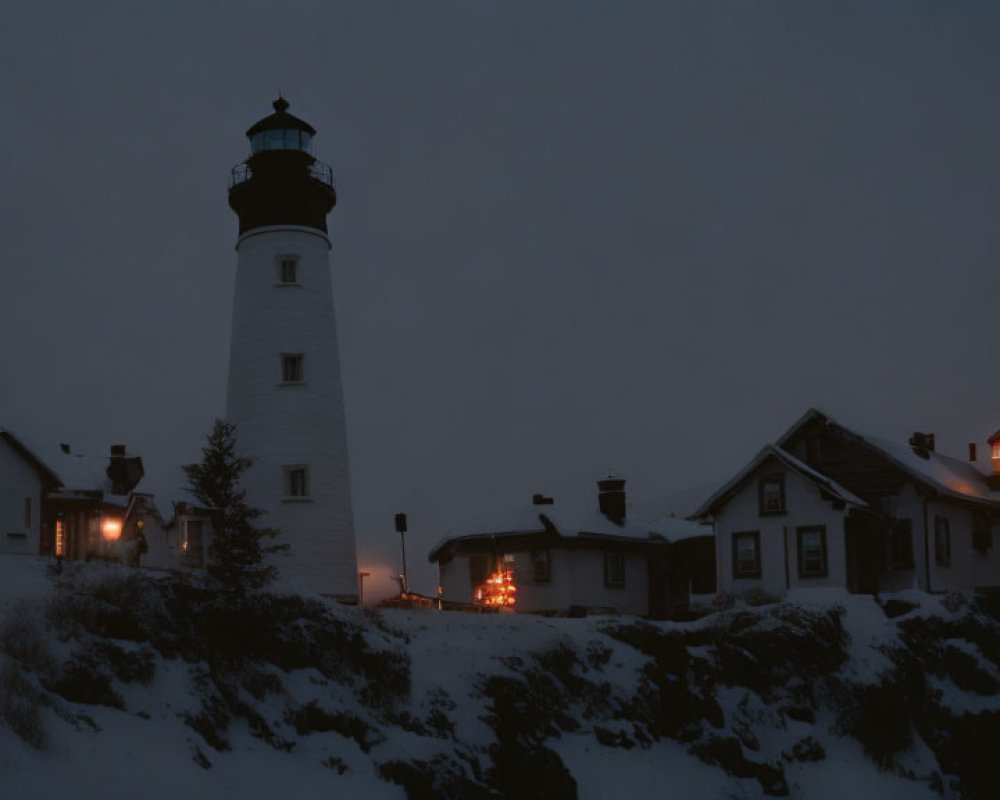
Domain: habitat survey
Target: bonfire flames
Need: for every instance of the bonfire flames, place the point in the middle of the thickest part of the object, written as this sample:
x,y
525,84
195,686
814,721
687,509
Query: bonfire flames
x,y
498,589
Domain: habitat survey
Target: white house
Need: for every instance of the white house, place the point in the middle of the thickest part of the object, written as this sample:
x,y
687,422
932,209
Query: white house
x,y
55,502
828,506
24,480
547,559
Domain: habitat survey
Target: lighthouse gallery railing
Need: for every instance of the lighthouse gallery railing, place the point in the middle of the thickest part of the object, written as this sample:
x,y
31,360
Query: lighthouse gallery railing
x,y
319,171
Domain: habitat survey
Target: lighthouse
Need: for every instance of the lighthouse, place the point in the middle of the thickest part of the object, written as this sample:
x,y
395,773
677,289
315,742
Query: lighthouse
x,y
284,392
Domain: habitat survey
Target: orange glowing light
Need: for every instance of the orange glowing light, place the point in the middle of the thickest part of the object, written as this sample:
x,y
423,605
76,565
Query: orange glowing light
x,y
111,529
498,589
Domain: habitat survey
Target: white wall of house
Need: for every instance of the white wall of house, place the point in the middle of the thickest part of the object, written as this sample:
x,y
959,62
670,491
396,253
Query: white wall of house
x,y
908,504
968,567
19,486
576,579
779,558
453,578
163,550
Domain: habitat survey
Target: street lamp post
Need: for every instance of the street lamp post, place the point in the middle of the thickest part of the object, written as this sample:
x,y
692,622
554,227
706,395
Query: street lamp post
x,y
401,527
361,586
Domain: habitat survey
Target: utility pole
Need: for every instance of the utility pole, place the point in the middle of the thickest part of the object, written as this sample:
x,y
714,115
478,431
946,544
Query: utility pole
x,y
401,527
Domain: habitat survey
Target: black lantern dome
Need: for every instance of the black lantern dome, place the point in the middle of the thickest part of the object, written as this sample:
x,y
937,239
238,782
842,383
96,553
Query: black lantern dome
x,y
281,183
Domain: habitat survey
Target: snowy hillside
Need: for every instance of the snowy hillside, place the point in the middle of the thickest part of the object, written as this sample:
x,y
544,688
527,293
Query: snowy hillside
x,y
120,684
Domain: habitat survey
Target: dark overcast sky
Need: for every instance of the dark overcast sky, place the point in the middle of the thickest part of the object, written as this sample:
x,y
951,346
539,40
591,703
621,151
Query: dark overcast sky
x,y
571,237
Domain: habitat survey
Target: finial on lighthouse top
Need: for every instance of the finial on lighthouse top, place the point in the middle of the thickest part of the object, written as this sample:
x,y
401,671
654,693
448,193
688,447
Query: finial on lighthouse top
x,y
280,105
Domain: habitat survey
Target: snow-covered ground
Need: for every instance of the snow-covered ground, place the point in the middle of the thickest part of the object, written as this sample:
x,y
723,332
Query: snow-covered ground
x,y
117,691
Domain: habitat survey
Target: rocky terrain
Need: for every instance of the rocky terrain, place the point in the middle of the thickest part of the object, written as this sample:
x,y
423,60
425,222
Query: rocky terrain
x,y
117,681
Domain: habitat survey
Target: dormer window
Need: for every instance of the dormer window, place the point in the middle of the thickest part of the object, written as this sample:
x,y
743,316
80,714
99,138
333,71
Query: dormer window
x,y
771,494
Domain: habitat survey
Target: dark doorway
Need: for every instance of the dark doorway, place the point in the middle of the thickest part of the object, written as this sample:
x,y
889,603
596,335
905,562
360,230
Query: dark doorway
x,y
862,538
667,585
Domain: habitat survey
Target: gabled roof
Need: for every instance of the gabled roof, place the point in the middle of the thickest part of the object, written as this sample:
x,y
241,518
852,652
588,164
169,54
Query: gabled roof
x,y
73,473
28,455
561,523
943,474
678,529
828,487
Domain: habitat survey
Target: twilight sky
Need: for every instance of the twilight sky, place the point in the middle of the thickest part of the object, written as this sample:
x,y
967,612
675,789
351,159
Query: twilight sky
x,y
571,237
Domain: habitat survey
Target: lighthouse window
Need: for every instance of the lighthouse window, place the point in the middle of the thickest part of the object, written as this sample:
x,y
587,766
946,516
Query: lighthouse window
x,y
281,139
289,269
274,140
297,481
291,367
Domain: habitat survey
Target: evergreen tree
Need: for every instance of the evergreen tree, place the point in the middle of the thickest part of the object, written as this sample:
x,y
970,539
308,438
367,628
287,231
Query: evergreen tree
x,y
236,555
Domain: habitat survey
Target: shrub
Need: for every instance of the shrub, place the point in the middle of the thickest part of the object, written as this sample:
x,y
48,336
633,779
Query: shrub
x,y
22,637
79,682
766,650
727,753
440,778
128,666
20,705
966,747
877,715
310,718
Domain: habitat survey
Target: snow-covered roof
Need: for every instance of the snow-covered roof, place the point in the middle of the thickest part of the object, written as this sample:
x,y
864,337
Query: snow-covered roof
x,y
676,529
574,523
946,475
822,482
27,453
563,522
74,472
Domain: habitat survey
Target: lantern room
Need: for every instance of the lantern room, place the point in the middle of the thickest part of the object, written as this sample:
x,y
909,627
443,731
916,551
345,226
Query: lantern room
x,y
280,131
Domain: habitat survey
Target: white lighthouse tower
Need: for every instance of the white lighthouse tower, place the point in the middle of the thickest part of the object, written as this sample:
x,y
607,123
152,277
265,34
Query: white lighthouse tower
x,y
284,393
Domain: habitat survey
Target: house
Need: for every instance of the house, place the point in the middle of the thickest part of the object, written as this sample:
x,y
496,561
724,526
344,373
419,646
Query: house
x,y
545,559
54,502
87,514
24,480
826,505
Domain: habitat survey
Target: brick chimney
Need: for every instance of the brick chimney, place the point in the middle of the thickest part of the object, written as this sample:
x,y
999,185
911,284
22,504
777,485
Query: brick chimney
x,y
124,471
611,499
922,444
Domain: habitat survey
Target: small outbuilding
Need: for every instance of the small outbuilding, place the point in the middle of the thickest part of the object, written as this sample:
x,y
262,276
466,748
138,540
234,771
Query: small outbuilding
x,y
543,558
